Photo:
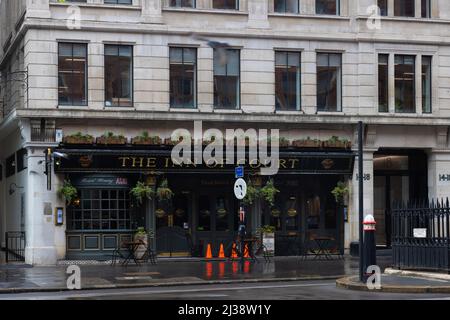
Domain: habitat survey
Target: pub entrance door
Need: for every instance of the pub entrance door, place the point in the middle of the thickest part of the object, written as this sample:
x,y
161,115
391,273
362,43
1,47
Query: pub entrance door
x,y
216,220
171,227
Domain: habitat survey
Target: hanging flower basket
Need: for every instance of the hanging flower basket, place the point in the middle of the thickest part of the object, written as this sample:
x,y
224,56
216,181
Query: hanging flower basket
x,y
160,213
307,143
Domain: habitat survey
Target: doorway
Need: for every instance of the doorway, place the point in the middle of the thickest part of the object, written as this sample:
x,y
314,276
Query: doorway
x,y
172,223
216,220
399,176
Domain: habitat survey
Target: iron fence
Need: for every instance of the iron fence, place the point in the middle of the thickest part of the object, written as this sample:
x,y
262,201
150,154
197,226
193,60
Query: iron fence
x,y
15,246
421,235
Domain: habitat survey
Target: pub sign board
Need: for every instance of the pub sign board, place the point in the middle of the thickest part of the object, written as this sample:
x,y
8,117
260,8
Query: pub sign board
x,y
148,162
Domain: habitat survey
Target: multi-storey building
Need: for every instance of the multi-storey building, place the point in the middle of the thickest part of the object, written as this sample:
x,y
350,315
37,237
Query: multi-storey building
x,y
311,68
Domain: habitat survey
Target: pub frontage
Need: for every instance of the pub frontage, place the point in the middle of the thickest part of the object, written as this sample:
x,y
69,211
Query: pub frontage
x,y
203,209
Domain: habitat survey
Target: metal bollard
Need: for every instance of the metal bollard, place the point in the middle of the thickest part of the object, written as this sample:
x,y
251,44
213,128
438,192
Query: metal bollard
x,y
370,250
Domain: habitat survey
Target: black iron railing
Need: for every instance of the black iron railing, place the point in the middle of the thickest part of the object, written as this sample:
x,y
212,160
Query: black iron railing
x,y
15,246
421,235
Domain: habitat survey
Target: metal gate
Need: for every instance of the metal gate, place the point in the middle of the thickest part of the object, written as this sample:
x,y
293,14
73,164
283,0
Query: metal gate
x,y
15,246
421,235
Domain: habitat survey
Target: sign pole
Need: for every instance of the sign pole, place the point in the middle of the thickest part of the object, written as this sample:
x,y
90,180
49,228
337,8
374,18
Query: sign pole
x,y
240,191
360,199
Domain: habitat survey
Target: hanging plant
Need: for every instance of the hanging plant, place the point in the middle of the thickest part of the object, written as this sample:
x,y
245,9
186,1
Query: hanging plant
x,y
340,192
68,192
164,193
268,192
253,193
142,191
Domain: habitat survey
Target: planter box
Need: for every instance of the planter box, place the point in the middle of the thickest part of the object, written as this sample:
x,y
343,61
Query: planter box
x,y
307,143
141,249
150,141
112,140
335,144
78,140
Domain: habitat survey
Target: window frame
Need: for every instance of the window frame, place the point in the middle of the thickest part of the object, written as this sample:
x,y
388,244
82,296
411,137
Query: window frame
x,y
339,107
237,6
195,82
86,73
131,75
239,93
414,111
194,4
338,9
379,55
430,86
286,12
298,92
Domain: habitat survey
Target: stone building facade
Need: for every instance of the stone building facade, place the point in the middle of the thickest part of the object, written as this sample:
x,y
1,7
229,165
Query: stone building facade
x,y
391,72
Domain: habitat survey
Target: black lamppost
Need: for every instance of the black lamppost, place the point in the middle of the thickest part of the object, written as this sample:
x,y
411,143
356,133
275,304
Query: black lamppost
x,y
360,199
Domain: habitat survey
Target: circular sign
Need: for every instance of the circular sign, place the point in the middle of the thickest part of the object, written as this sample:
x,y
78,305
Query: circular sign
x,y
240,189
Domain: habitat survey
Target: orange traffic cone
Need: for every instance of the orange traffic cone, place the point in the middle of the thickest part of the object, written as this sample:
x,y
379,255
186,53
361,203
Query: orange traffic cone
x,y
246,253
209,252
234,251
221,252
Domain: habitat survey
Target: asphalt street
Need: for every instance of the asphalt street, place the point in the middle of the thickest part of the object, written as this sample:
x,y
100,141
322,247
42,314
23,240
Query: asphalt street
x,y
296,290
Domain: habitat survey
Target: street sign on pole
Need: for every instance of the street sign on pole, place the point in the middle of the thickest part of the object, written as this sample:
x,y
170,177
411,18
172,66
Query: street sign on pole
x,y
240,189
239,172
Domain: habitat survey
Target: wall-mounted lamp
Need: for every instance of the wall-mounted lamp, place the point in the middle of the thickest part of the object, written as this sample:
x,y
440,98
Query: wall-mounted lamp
x,y
12,188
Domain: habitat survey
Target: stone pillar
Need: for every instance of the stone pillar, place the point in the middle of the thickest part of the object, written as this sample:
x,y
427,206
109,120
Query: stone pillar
x,y
363,5
152,11
46,243
439,174
418,8
258,14
38,9
390,8
308,7
352,227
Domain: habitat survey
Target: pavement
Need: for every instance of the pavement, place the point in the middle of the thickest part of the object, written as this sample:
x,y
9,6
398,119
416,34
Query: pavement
x,y
22,278
414,282
265,292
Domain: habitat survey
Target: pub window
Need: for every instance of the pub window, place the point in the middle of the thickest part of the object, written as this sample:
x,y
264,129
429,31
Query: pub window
x,y
226,79
72,73
383,6
404,8
329,82
119,75
182,3
287,80
426,84
222,214
21,156
383,76
426,9
405,89
226,4
287,6
10,169
118,1
327,7
183,69
275,214
100,209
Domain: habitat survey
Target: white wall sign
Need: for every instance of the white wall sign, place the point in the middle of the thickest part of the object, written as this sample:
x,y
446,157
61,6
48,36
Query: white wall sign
x,y
420,232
